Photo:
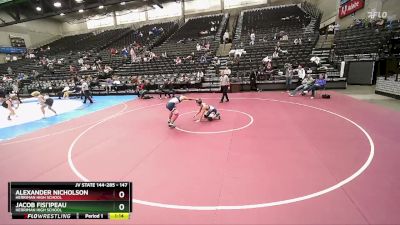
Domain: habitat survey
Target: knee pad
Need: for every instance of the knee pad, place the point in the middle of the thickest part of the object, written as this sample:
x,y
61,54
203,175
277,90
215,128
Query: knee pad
x,y
209,118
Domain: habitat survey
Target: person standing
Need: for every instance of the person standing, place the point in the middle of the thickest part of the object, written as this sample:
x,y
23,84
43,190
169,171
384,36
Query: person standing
x,y
86,92
225,84
15,88
253,80
288,76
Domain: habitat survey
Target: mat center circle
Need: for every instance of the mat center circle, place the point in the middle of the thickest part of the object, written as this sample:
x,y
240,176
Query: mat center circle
x,y
233,120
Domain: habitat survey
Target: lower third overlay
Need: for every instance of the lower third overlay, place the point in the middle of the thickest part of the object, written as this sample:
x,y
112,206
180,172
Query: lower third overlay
x,y
70,200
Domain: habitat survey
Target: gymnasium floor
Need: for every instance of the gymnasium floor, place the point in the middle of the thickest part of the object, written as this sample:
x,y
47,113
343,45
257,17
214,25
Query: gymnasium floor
x,y
272,159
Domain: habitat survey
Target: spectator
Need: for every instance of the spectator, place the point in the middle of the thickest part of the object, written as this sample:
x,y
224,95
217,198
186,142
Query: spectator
x,y
319,84
133,55
266,60
265,38
217,61
316,60
200,75
198,47
296,41
9,71
178,60
275,54
107,69
170,88
8,58
253,81
306,83
301,73
226,37
113,51
331,29
288,76
207,46
268,70
337,28
124,53
109,85
252,38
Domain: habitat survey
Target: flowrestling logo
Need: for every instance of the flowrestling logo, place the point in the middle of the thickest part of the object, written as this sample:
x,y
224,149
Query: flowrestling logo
x,y
373,14
350,7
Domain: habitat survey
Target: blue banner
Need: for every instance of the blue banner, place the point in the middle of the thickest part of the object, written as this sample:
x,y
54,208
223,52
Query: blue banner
x,y
12,50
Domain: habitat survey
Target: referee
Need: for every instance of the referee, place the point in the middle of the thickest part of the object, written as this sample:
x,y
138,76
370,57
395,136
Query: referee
x,y
86,92
224,80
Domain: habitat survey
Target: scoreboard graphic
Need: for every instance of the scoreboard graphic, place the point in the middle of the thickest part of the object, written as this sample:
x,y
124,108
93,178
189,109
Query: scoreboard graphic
x,y
70,200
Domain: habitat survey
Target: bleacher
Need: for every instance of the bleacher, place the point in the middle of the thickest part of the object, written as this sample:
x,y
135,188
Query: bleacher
x,y
143,37
267,23
161,69
358,41
181,42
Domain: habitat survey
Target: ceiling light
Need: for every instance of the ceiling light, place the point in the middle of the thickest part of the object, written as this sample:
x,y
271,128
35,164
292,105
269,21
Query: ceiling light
x,y
122,3
62,14
81,11
38,9
101,6
78,1
57,4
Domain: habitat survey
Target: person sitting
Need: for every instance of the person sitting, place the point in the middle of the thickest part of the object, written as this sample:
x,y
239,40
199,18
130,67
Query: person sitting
x,y
200,75
226,37
275,54
207,46
305,85
143,90
252,38
107,69
296,41
198,47
264,39
320,83
8,58
266,60
178,61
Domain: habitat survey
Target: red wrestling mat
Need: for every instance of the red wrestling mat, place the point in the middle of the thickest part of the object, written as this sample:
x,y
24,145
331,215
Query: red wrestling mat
x,y
271,159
